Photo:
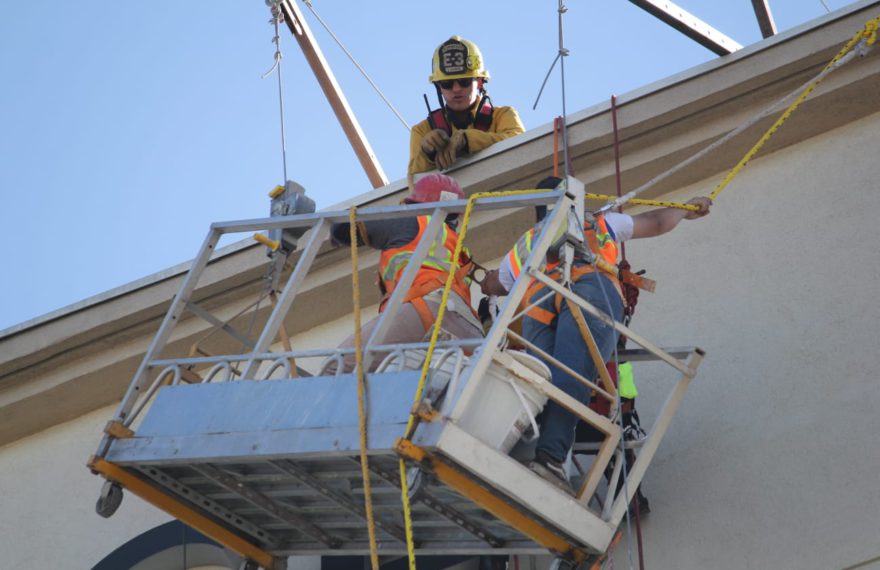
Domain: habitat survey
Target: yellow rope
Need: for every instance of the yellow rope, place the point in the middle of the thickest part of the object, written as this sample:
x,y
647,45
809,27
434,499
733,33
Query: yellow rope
x,y
641,202
407,517
605,197
441,312
869,32
361,381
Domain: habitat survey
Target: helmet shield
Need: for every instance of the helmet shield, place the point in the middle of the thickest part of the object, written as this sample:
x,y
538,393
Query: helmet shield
x,y
457,58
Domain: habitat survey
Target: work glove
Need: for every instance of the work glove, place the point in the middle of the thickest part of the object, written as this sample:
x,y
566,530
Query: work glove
x,y
434,141
456,147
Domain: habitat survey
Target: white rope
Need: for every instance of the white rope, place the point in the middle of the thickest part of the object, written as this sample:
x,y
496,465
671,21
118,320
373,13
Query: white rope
x,y
563,52
687,162
277,18
308,3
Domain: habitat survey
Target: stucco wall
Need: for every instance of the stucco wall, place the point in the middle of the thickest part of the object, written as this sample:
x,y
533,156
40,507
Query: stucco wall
x,y
52,494
772,461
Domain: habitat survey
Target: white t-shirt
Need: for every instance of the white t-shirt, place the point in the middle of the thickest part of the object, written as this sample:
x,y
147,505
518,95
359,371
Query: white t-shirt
x,y
619,225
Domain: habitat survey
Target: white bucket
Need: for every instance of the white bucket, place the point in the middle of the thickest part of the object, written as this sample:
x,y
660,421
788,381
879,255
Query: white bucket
x,y
505,402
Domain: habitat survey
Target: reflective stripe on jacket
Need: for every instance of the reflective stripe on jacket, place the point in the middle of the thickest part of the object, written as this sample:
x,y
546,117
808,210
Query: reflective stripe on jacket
x,y
434,270
598,238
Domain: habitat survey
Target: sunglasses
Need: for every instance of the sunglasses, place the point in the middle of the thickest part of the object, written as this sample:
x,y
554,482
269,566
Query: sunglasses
x,y
464,83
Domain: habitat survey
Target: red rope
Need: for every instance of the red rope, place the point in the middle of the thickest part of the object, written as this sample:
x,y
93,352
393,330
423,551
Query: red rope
x,y
639,531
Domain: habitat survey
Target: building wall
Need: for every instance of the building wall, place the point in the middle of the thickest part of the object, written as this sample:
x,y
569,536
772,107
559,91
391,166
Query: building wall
x,y
772,460
52,494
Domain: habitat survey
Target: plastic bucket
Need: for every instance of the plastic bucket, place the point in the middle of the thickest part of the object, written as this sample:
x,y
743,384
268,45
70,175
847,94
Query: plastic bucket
x,y
504,405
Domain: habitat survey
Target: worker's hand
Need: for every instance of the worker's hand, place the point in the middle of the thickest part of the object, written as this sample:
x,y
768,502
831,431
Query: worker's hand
x,y
456,147
491,284
434,141
703,202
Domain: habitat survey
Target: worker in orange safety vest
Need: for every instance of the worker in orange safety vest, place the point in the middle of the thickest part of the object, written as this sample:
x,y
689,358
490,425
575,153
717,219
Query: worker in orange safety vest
x,y
397,239
552,328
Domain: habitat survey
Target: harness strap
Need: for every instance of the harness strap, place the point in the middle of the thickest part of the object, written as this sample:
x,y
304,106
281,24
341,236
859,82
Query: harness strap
x,y
425,314
416,293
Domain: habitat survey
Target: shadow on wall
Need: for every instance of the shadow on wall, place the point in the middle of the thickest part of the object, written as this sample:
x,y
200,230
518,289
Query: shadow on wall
x,y
171,545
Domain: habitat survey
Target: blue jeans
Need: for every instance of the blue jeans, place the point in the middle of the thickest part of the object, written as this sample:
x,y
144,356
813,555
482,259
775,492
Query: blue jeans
x,y
562,340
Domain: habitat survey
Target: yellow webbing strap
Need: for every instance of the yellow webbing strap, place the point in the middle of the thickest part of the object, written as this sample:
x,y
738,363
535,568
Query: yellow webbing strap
x,y
359,371
868,32
441,312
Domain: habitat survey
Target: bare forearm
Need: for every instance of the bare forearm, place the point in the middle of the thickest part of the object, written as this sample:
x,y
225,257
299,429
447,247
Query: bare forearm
x,y
663,220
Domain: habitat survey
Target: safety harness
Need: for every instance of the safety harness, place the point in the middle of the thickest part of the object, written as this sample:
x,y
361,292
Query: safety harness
x,y
600,242
481,120
432,274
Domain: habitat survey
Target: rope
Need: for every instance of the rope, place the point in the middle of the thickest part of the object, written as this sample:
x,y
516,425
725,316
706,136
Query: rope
x,y
441,312
617,180
357,65
869,32
556,147
361,381
634,201
838,60
277,18
563,52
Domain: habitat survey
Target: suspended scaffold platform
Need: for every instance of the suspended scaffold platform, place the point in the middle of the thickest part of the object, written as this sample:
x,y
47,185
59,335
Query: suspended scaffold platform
x,y
249,450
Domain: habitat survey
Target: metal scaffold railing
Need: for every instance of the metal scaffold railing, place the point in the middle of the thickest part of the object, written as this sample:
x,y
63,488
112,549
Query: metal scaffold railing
x,y
256,449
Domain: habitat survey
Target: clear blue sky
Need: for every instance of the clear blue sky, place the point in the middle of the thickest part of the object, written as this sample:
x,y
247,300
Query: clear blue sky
x,y
127,128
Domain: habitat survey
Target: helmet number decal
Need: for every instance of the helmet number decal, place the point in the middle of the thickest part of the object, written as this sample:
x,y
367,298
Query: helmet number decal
x,y
453,58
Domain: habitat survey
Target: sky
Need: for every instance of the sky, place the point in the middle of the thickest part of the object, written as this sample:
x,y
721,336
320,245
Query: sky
x,y
126,128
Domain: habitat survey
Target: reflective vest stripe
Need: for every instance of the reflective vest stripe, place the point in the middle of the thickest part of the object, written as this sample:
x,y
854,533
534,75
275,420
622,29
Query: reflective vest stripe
x,y
520,252
434,269
600,241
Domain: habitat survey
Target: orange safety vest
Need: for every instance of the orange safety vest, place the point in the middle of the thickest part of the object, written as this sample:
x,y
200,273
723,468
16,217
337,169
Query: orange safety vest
x,y
432,274
600,242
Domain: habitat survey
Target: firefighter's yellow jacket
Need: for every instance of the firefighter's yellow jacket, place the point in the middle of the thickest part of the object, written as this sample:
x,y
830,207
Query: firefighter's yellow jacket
x,y
505,124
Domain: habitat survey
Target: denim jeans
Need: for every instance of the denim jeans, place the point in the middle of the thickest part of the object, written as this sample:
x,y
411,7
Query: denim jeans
x,y
562,340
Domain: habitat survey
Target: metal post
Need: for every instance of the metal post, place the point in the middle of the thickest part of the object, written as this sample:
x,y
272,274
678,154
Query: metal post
x,y
438,218
477,368
157,345
316,236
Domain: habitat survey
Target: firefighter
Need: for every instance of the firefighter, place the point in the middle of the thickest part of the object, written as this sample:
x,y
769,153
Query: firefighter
x,y
552,328
397,240
466,121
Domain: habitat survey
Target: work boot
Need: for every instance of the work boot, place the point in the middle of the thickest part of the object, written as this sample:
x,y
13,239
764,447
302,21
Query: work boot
x,y
551,470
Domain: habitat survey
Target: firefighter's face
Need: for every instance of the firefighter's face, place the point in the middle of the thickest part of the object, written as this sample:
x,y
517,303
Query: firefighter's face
x,y
459,97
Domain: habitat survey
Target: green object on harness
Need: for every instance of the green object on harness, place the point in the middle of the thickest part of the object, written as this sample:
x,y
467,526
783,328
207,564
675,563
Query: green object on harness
x,y
627,385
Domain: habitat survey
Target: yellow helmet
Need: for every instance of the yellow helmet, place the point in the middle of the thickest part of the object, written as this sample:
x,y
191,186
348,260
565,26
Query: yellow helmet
x,y
457,58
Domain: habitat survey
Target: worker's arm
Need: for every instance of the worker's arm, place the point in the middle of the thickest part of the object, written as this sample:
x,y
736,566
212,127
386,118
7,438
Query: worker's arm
x,y
505,124
663,220
378,234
